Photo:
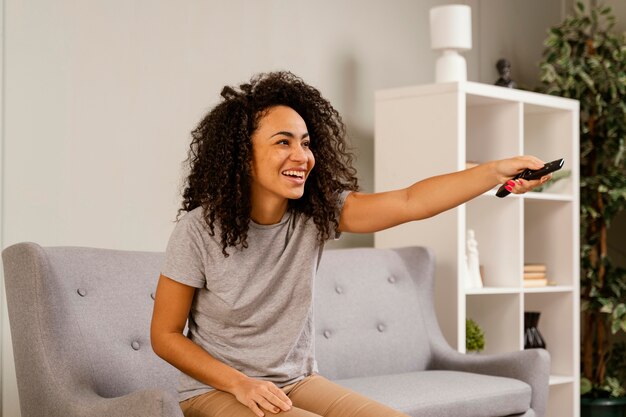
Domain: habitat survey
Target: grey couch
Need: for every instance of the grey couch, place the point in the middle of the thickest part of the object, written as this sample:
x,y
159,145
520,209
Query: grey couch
x,y
80,328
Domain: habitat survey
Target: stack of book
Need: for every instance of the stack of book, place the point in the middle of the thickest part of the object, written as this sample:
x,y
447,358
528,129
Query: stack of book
x,y
535,275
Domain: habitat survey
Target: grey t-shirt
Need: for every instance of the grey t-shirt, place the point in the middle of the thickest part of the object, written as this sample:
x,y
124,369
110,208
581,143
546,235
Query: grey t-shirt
x,y
252,310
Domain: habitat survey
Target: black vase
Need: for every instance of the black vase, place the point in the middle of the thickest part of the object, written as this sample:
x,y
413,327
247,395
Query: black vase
x,y
532,337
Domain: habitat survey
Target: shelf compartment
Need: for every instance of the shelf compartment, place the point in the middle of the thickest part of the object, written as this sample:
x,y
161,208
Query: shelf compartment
x,y
548,233
557,332
547,135
499,317
560,402
501,259
487,124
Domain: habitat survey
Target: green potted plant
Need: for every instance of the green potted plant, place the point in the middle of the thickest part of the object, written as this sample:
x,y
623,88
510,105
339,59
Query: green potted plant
x,y
586,61
474,337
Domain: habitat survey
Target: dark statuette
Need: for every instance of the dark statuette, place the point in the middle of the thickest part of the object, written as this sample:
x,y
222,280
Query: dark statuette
x,y
504,69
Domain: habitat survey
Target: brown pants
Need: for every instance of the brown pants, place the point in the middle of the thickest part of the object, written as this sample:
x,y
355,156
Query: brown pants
x,y
314,396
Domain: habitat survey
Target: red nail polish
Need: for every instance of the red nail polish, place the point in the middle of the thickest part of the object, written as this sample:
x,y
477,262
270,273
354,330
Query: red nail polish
x,y
508,188
511,183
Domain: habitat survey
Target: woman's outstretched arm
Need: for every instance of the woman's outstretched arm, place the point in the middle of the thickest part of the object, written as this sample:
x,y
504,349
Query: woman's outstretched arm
x,y
366,213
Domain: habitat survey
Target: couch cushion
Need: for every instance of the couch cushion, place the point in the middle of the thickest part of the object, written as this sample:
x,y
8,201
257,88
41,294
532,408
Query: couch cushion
x,y
370,302
445,393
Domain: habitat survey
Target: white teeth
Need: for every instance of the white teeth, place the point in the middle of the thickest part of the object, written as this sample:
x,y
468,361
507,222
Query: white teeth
x,y
299,174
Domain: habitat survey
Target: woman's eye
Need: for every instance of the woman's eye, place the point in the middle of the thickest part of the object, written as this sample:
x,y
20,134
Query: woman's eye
x,y
306,144
283,142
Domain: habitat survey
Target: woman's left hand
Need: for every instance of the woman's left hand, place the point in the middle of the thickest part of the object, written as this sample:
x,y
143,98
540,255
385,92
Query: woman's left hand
x,y
506,169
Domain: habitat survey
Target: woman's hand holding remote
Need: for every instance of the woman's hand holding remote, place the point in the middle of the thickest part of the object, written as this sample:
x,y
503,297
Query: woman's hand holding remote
x,y
506,169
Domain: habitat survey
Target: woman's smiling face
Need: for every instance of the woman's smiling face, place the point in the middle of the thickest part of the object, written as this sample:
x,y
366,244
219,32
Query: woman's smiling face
x,y
281,155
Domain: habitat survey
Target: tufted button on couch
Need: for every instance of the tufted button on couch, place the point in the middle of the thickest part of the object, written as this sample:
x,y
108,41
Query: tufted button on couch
x,y
80,328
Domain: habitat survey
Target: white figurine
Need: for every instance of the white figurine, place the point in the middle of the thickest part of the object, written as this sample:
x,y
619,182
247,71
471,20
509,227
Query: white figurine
x,y
473,266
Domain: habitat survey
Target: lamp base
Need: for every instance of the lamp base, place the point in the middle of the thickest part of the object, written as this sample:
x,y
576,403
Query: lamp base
x,y
450,67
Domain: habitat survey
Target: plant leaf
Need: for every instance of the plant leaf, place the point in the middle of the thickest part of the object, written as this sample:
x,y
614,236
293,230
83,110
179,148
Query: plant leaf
x,y
607,306
615,326
585,386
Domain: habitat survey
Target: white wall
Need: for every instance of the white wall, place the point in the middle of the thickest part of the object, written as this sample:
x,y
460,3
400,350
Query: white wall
x,y
99,98
515,30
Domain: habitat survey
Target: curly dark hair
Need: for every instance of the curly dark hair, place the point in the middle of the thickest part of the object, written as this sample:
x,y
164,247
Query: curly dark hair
x,y
221,146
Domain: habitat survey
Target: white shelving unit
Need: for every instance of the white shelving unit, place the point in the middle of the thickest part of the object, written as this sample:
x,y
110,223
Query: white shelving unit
x,y
428,130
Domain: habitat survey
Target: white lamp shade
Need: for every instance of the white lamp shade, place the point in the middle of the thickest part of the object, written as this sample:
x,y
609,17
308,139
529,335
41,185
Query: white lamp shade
x,y
451,27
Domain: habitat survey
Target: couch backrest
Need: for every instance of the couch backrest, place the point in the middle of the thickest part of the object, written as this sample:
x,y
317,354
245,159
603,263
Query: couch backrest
x,y
374,312
80,320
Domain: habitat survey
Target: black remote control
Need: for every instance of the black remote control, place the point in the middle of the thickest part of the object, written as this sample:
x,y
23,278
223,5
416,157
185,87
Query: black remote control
x,y
532,174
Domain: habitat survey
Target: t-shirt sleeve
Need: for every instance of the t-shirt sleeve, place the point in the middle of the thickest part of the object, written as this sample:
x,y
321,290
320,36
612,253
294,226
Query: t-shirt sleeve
x,y
342,200
184,256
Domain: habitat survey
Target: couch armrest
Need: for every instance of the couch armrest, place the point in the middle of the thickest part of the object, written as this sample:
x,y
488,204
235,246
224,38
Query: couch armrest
x,y
531,366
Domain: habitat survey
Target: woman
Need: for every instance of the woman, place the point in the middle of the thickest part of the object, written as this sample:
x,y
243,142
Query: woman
x,y
270,181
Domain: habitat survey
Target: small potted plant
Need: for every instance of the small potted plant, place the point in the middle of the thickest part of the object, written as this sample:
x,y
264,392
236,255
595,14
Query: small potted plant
x,y
474,337
586,61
